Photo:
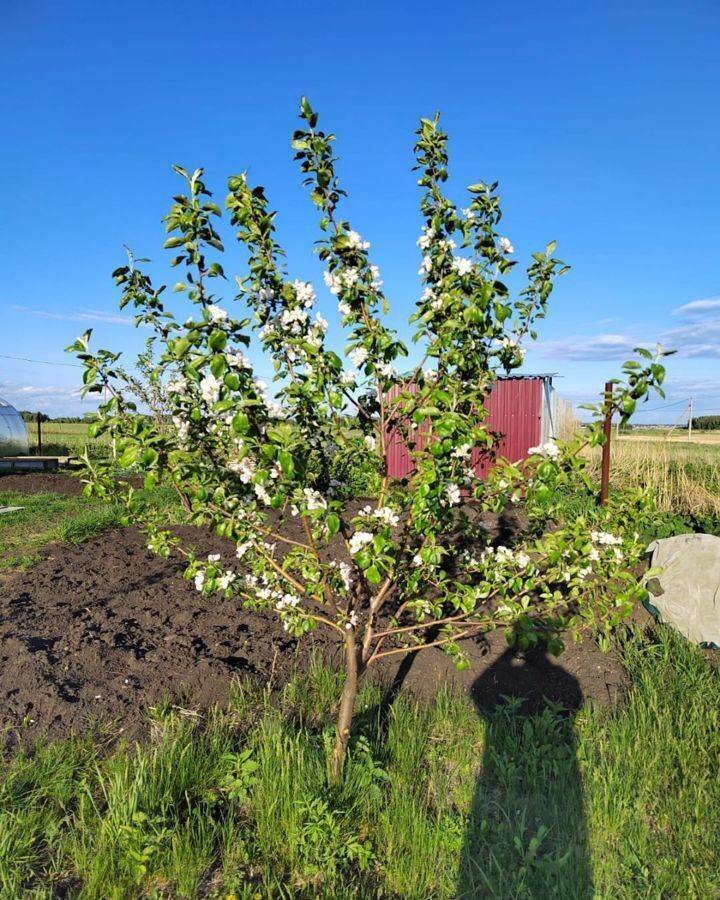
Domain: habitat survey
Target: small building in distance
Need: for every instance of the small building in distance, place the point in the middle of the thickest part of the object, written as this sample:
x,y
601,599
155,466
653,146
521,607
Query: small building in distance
x,y
524,409
13,431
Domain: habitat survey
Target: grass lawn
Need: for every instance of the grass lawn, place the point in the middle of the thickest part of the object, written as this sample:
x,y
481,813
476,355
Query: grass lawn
x,y
71,519
436,802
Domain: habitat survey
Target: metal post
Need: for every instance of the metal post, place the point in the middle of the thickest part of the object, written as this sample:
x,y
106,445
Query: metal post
x,y
39,435
690,415
607,431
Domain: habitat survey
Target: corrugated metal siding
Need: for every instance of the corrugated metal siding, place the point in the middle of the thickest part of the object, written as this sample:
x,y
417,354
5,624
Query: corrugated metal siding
x,y
514,411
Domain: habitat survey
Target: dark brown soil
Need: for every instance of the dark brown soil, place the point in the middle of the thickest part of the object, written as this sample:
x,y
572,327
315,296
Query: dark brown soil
x,y
41,482
104,630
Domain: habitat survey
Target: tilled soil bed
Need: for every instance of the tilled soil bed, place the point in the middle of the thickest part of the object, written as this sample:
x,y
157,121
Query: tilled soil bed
x,y
104,630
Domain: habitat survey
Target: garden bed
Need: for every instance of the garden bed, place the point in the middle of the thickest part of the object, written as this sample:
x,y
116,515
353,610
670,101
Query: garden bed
x,y
106,629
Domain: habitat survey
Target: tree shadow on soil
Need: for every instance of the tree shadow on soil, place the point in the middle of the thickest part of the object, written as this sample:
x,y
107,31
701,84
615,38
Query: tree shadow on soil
x,y
526,834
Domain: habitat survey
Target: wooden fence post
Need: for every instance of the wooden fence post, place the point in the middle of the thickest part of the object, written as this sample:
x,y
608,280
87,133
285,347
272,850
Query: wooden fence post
x,y
607,431
39,434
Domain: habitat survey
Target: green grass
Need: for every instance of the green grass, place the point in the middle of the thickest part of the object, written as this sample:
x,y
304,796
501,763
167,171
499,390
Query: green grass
x,y
47,518
68,439
435,801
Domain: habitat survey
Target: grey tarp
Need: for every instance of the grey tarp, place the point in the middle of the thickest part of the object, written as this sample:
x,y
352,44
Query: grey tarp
x,y
686,594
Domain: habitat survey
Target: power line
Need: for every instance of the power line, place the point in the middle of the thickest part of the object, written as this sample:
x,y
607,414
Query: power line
x,y
44,362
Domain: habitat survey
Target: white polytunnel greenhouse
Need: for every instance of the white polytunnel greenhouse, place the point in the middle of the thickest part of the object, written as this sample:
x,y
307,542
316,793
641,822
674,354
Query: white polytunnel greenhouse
x,y
13,431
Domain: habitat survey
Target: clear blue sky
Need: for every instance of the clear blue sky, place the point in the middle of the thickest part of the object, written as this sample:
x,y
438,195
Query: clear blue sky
x,y
599,119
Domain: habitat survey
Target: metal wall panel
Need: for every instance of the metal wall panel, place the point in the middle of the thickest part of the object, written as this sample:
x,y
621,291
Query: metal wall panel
x,y
514,411
13,432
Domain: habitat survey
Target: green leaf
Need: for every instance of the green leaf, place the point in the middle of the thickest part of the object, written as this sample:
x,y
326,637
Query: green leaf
x,y
287,463
217,341
373,575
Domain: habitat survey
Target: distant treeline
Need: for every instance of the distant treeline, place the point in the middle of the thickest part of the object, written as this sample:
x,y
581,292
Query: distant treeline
x,y
706,423
29,416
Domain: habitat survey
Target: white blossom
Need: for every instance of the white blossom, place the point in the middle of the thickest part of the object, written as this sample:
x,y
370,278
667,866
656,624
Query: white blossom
x,y
359,356
238,359
344,308
216,313
370,441
355,240
293,319
314,500
245,468
505,246
178,386
386,370
349,377
359,540
304,292
426,237
262,494
266,294
605,538
224,581
199,580
210,389
430,374
462,266
332,282
242,549
387,515
426,265
463,451
453,494
417,560
549,449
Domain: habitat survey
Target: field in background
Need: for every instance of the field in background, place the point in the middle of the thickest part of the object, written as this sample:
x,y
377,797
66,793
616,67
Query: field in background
x,y
67,439
685,477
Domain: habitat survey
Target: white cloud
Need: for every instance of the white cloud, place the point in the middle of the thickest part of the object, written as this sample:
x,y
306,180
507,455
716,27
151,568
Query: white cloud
x,y
698,307
84,316
592,348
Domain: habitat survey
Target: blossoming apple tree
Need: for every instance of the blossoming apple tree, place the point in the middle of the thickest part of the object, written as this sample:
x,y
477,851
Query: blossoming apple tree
x,y
414,569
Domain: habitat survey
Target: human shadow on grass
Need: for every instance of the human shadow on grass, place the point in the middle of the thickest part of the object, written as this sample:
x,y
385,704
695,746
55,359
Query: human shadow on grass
x,y
526,834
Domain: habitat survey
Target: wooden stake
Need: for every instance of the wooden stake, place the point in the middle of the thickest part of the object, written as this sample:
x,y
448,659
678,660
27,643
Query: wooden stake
x,y
607,431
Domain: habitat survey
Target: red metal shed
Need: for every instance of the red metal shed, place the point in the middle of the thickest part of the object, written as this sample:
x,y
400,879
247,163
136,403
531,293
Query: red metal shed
x,y
520,408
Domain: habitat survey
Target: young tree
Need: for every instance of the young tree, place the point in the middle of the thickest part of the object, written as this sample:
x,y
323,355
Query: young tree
x,y
414,569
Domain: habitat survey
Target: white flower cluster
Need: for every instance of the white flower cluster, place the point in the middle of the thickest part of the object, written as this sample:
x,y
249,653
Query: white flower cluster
x,y
359,356
452,492
356,241
210,389
462,266
505,246
305,293
425,265
511,344
237,359
216,313
426,238
177,386
605,538
385,514
314,500
345,570
549,449
245,468
359,540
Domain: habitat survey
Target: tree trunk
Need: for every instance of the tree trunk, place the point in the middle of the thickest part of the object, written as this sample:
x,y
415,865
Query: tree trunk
x,y
347,707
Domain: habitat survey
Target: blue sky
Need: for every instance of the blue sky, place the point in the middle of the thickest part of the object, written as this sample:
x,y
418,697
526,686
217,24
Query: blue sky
x,y
598,119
